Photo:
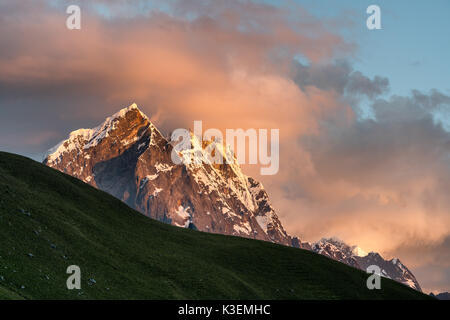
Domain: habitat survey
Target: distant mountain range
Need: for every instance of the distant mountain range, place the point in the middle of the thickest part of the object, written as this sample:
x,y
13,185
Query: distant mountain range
x,y
356,257
441,296
128,157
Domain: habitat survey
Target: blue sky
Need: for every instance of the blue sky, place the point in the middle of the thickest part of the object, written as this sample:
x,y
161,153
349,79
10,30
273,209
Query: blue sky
x,y
412,49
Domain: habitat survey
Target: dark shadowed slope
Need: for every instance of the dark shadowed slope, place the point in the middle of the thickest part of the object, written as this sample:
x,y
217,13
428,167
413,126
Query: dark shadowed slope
x,y
49,220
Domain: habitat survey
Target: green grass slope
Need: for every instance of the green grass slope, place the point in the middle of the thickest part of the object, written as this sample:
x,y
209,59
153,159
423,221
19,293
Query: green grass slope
x,y
49,221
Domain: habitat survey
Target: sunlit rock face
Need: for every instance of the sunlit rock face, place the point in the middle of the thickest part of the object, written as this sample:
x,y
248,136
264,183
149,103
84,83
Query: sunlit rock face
x,y
128,157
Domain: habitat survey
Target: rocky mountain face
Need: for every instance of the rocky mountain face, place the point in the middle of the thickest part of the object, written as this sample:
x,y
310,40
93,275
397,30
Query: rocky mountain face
x,y
338,250
129,158
297,243
356,257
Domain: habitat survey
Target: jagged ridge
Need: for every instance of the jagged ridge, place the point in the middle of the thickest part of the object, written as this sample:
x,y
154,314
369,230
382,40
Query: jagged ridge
x,y
129,158
356,257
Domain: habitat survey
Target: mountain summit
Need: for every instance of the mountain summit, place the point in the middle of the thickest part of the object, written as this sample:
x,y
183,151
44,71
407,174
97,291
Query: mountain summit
x,y
129,158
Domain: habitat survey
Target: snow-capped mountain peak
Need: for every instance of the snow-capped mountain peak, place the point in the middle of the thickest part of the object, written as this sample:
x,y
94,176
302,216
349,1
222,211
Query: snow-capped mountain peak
x,y
128,157
336,249
89,138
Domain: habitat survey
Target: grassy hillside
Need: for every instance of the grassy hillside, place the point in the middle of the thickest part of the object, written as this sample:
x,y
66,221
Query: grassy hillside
x,y
49,221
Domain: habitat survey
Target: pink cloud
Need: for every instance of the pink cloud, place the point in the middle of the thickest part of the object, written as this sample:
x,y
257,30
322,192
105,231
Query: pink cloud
x,y
230,66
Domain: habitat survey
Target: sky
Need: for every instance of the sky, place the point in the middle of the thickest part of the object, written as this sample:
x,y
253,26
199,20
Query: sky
x,y
410,48
363,115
